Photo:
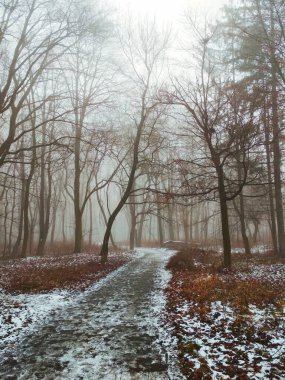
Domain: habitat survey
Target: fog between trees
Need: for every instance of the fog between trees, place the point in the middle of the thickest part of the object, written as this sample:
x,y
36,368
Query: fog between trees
x,y
114,132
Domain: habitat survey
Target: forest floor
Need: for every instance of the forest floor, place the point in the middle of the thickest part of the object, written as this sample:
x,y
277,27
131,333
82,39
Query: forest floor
x,y
42,274
228,324
70,318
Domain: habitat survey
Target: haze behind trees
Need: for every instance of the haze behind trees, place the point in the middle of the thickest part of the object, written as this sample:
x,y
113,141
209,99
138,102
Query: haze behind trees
x,y
114,132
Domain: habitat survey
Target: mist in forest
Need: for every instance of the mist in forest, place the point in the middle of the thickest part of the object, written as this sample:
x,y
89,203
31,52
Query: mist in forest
x,y
137,123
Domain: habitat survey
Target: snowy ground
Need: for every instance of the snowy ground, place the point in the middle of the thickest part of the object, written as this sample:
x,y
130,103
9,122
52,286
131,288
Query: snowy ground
x,y
117,329
220,339
215,349
113,330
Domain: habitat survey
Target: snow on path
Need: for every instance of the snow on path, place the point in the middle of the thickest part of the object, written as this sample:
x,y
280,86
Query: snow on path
x,y
112,331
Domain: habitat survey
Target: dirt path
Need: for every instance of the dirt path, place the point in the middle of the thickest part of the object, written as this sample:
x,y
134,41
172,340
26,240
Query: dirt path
x,y
110,332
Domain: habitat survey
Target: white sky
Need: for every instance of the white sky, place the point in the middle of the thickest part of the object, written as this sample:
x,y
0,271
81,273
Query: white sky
x,y
169,11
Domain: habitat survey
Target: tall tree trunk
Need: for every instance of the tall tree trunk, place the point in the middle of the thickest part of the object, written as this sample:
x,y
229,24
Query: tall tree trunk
x,y
186,224
17,244
78,233
21,214
132,228
177,222
256,230
141,224
170,210
197,222
269,178
277,169
159,227
12,219
224,218
276,148
105,218
126,194
5,226
53,225
133,220
191,224
26,229
42,194
33,218
45,202
77,208
206,223
63,211
241,215
90,222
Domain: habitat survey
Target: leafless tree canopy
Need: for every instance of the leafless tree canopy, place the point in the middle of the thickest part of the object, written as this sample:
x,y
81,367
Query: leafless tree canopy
x,y
111,134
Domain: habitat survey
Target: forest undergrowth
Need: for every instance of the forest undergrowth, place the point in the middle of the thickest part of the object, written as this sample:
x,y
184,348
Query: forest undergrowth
x,y
228,324
42,274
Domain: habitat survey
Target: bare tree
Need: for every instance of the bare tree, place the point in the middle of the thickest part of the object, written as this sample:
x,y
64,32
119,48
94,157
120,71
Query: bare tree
x,y
143,50
212,122
33,37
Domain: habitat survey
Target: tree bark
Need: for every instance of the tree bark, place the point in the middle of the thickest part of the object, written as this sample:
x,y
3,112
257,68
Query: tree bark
x,y
170,210
276,145
270,181
241,216
140,227
17,244
132,227
277,169
125,196
77,175
105,218
26,229
159,227
224,218
90,222
186,226
45,200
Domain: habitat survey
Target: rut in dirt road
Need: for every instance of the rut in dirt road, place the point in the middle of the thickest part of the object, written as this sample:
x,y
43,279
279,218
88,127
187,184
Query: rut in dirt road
x,y
109,332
